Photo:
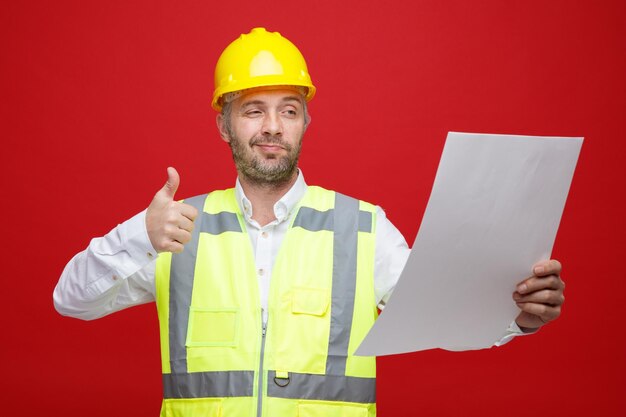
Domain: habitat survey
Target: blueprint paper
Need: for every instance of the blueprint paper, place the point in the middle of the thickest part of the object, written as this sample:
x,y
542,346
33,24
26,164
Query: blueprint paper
x,y
493,212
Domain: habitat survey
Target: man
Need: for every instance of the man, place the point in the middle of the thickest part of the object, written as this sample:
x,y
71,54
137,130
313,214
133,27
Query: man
x,y
231,343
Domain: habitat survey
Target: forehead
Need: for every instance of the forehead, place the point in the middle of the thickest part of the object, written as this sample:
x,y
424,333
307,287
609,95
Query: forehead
x,y
274,96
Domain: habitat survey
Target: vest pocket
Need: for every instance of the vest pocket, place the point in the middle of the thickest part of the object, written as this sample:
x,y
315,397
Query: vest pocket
x,y
192,407
331,409
212,327
300,332
313,301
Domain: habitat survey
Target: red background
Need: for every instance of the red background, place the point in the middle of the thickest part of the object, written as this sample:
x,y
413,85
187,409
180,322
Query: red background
x,y
98,98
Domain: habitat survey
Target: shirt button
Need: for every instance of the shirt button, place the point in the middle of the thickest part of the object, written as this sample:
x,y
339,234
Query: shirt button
x,y
150,255
261,271
114,277
263,234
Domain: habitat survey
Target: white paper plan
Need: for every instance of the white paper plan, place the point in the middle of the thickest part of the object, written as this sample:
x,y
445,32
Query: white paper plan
x,y
493,212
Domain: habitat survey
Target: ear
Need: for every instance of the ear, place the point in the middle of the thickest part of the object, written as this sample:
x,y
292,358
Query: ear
x,y
307,121
219,119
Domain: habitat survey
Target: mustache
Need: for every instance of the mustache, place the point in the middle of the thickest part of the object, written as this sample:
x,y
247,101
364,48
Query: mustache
x,y
270,140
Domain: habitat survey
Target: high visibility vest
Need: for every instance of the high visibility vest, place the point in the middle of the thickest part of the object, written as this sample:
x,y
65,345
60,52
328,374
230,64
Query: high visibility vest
x,y
218,358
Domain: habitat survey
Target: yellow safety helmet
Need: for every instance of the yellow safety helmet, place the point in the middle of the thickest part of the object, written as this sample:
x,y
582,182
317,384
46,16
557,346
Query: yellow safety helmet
x,y
259,59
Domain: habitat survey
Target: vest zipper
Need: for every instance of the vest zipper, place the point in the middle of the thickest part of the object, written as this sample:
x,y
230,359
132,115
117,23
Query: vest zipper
x,y
261,372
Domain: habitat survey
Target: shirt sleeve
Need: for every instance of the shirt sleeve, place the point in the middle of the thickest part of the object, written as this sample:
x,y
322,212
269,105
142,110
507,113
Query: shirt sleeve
x,y
116,271
512,331
391,255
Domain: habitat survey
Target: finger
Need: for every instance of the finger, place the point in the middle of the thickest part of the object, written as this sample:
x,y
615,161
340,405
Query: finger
x,y
185,224
180,235
550,297
533,284
188,211
543,268
174,247
172,183
545,312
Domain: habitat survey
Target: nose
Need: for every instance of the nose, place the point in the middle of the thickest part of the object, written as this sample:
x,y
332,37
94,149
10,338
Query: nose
x,y
272,124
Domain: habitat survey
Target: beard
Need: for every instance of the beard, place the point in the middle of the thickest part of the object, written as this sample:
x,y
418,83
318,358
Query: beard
x,y
272,170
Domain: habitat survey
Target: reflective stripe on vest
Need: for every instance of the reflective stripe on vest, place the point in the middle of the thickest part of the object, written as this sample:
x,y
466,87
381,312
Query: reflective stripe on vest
x,y
314,220
181,286
240,384
345,220
346,225
208,384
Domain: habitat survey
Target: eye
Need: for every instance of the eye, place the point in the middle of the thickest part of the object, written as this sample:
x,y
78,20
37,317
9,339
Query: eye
x,y
253,113
290,112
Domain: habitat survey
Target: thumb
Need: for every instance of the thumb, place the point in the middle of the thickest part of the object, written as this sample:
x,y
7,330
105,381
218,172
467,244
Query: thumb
x,y
173,180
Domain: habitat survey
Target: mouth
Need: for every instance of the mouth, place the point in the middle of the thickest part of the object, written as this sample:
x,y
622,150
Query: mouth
x,y
269,147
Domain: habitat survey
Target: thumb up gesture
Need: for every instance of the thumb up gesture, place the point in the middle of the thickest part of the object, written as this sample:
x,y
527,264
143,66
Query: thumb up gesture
x,y
169,223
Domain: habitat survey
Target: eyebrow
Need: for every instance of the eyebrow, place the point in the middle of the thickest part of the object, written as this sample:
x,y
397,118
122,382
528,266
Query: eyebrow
x,y
292,98
259,102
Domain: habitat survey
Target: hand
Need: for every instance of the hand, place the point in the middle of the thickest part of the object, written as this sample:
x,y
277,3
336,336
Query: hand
x,y
540,297
169,223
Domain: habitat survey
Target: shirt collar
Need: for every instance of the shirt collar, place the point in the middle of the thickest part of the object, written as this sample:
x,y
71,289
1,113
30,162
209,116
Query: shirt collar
x,y
283,207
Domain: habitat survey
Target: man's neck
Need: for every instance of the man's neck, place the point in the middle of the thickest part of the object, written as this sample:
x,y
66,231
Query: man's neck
x,y
263,197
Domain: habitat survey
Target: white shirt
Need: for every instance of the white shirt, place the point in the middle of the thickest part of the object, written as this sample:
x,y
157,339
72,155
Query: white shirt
x,y
117,270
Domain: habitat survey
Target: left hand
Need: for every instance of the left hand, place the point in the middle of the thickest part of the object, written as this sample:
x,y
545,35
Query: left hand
x,y
540,297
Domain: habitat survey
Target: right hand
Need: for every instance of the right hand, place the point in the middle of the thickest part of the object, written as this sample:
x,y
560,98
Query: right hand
x,y
169,223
